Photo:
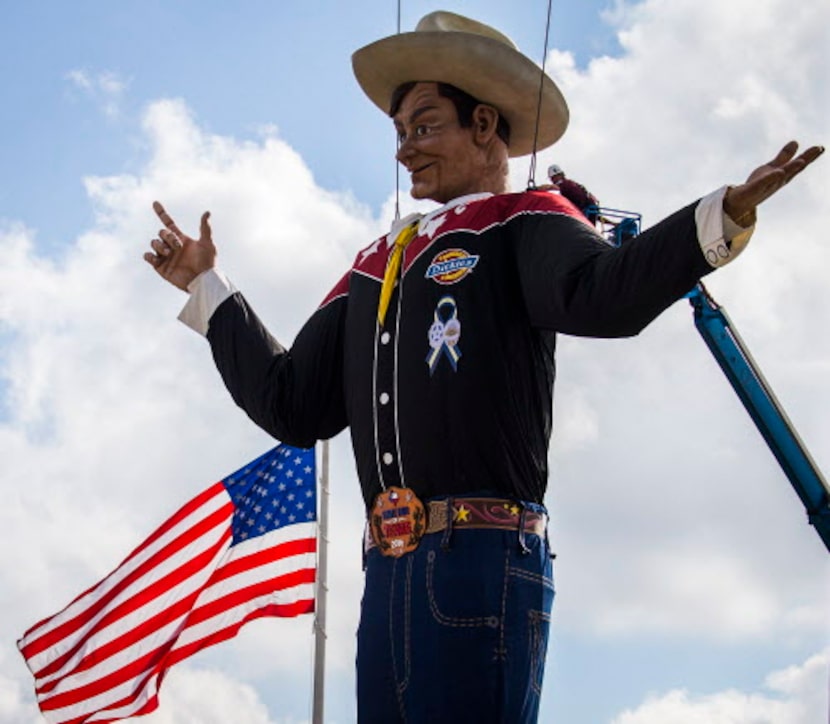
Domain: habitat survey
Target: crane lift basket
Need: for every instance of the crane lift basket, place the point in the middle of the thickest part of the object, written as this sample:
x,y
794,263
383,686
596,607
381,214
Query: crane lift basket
x,y
616,225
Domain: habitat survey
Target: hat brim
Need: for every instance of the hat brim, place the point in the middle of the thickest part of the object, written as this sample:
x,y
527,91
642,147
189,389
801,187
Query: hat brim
x,y
487,69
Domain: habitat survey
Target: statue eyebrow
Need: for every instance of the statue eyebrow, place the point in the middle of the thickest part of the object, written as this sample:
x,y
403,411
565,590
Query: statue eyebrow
x,y
416,114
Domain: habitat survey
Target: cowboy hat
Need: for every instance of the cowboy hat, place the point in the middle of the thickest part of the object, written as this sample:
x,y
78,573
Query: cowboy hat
x,y
475,58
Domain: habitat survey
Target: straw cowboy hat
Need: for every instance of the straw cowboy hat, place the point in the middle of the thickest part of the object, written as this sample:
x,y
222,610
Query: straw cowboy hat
x,y
476,58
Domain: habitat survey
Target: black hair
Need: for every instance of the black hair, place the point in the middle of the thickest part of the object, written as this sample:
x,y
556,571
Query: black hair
x,y
464,104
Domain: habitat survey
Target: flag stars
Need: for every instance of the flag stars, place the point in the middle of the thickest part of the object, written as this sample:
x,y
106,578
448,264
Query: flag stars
x,y
275,491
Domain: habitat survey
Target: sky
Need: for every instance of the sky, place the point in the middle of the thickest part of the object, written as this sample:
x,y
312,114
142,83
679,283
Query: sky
x,y
690,587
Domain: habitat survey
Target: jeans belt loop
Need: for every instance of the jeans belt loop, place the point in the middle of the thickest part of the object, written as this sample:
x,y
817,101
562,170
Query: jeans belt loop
x,y
522,544
367,538
447,535
547,545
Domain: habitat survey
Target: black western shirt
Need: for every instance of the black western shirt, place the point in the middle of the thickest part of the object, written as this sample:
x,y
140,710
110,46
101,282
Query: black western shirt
x,y
453,393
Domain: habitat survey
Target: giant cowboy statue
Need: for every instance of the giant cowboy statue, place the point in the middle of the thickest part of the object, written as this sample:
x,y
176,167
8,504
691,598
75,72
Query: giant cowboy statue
x,y
451,431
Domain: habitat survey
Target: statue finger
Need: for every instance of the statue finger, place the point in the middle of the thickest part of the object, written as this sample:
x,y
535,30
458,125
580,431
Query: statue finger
x,y
167,220
170,238
160,247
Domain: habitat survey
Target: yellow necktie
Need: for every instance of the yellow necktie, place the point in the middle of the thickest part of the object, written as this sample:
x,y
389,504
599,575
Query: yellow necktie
x,y
393,266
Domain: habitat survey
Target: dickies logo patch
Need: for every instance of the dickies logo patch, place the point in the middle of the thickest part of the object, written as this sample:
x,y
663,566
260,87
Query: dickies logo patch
x,y
451,266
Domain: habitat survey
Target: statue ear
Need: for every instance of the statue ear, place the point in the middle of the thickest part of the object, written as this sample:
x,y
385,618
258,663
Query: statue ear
x,y
485,120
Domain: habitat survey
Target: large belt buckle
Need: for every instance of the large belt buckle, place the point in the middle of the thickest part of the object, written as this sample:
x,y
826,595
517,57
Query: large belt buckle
x,y
397,521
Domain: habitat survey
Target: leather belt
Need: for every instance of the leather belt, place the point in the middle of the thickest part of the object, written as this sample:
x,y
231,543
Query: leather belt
x,y
478,514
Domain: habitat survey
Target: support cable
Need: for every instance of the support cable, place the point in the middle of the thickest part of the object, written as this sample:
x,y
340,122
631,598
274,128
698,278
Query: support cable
x,y
531,182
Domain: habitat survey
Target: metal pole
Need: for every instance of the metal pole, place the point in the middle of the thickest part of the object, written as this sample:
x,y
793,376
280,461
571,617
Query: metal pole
x,y
318,709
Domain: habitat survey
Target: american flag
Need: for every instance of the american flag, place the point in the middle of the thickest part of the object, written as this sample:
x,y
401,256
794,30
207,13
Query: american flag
x,y
242,549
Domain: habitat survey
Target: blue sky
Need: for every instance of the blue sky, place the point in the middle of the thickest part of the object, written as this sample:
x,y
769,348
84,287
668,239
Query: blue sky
x,y
238,67
689,585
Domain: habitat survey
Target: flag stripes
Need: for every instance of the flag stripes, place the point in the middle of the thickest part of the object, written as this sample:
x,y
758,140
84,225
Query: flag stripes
x,y
233,553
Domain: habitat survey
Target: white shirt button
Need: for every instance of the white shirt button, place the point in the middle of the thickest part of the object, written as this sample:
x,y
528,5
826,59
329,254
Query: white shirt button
x,y
384,398
385,337
387,458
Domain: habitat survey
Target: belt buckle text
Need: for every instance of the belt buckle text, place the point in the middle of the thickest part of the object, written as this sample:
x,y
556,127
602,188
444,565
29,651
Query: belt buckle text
x,y
397,521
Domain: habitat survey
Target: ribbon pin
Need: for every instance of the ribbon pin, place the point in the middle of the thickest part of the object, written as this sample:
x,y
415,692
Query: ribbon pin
x,y
444,334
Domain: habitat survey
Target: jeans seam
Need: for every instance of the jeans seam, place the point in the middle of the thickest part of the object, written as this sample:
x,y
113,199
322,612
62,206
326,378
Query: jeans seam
x,y
535,637
407,619
530,576
457,622
501,651
398,690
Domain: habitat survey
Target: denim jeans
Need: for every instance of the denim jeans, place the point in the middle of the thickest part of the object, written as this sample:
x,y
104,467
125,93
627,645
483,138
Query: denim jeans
x,y
456,631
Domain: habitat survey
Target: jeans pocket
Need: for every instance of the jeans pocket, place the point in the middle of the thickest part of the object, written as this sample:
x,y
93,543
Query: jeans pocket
x,y
458,595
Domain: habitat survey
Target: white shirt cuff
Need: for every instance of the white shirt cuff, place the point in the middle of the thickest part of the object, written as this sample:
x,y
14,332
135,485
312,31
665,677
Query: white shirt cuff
x,y
720,238
207,292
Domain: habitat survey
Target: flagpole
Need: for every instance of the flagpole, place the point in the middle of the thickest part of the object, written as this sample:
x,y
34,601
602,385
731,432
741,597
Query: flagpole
x,y
322,590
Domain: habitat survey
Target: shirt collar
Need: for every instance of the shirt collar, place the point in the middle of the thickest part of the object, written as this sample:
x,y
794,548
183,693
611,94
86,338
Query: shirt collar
x,y
424,219
466,199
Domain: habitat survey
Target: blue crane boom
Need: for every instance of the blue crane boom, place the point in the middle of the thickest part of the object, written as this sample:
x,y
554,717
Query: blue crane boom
x,y
766,412
731,354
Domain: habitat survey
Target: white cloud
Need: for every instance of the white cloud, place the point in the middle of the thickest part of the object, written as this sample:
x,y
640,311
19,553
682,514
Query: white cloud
x,y
184,701
12,708
80,79
669,515
704,532
115,412
797,695
105,89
